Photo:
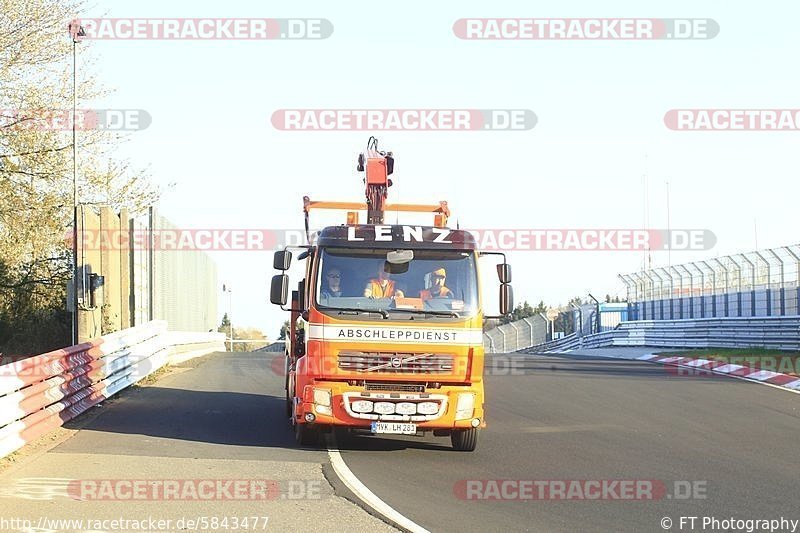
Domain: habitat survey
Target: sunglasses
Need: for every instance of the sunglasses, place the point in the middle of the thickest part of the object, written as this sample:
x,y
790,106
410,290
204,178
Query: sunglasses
x,y
334,275
437,276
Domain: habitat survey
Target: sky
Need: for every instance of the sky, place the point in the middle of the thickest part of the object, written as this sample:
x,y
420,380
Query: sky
x,y
600,155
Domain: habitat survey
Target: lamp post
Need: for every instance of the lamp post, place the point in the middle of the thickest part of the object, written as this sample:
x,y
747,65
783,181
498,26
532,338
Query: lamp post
x,y
227,288
551,316
75,30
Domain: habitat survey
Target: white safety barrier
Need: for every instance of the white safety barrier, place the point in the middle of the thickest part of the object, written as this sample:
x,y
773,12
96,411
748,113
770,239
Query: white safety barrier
x,y
41,393
779,333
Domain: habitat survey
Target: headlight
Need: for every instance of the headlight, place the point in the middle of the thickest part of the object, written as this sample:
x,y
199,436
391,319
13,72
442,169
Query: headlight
x,y
427,408
322,397
362,406
384,408
465,405
406,408
323,410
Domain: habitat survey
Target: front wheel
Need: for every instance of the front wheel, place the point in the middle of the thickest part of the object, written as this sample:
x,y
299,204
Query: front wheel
x,y
464,440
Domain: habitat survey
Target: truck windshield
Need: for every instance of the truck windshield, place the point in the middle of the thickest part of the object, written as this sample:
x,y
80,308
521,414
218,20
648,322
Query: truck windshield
x,y
434,281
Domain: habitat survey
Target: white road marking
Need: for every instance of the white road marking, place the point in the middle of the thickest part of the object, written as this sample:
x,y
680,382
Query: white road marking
x,y
367,496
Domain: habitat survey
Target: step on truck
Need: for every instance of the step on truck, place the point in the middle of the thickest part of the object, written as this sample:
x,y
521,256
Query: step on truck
x,y
386,325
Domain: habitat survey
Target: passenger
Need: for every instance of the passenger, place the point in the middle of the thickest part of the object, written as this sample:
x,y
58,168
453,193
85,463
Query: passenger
x,y
382,286
437,288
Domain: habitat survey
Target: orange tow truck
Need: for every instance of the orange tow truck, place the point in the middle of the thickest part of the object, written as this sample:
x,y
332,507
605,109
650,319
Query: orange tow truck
x,y
386,327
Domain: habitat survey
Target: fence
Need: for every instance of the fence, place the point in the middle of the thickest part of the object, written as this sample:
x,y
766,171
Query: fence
x,y
516,336
753,284
780,333
41,393
184,286
533,331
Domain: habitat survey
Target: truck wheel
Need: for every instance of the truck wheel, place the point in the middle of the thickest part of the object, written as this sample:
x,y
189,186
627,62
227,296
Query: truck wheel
x,y
464,440
306,435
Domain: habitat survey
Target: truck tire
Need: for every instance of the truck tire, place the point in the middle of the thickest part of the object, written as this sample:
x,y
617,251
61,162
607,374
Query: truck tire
x,y
464,440
306,435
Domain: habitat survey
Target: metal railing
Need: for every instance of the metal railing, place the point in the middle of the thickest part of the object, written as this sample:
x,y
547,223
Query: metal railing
x,y
516,336
753,284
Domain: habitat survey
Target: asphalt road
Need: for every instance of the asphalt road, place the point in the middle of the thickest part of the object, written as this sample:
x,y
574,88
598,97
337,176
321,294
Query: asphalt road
x,y
220,417
599,419
552,418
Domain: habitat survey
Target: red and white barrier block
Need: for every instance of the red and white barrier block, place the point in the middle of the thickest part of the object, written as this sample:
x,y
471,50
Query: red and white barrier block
x,y
41,393
748,371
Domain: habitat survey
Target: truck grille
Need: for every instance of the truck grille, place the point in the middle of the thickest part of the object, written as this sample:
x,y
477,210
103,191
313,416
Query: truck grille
x,y
398,363
395,387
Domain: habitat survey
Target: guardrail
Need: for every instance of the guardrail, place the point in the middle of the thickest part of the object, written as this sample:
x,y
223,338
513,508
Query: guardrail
x,y
779,333
568,342
278,346
41,393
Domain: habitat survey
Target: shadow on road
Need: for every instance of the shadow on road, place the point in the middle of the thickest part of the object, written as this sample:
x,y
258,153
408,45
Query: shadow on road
x,y
229,418
373,443
579,365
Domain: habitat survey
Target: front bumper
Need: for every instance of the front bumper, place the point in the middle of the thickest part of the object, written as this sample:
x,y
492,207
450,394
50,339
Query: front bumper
x,y
442,409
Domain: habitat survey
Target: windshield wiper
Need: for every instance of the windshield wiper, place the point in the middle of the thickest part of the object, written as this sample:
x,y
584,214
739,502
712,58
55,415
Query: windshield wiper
x,y
425,312
381,312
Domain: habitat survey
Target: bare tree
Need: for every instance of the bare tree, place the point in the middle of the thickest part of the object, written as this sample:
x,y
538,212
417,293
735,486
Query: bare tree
x,y
36,180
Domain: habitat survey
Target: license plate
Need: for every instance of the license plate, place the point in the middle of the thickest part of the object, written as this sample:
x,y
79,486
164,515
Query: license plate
x,y
394,428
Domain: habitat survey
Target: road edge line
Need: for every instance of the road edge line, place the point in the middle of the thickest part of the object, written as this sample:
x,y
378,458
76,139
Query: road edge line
x,y
367,496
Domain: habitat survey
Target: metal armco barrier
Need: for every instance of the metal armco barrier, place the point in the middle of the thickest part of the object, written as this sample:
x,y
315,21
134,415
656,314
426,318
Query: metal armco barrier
x,y
569,342
43,392
779,333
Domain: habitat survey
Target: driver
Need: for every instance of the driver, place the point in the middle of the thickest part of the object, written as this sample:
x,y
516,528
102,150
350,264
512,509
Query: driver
x,y
333,284
437,288
382,286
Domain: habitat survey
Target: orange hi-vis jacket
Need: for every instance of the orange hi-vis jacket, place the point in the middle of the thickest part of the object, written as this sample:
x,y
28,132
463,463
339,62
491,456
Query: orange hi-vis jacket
x,y
379,291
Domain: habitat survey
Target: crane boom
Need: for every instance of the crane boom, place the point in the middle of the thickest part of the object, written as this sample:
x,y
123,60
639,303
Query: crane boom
x,y
378,166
